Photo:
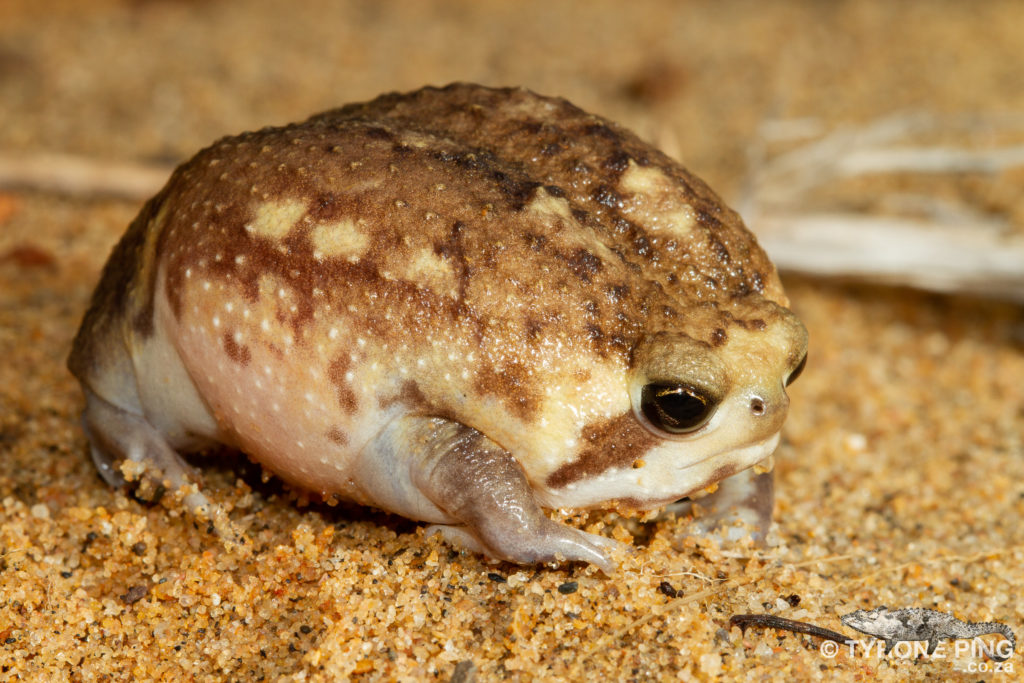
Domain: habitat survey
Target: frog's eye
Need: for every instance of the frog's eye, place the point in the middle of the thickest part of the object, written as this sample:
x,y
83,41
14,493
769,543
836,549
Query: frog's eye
x,y
675,408
797,370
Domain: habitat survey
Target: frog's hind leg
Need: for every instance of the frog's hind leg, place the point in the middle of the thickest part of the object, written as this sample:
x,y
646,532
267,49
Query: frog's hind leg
x,y
116,434
440,470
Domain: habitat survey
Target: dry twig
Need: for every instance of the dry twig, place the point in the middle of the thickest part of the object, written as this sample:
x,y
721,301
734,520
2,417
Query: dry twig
x,y
81,176
927,242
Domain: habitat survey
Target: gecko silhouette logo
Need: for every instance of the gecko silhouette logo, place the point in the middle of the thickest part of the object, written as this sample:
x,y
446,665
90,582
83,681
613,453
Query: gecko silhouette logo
x,y
903,630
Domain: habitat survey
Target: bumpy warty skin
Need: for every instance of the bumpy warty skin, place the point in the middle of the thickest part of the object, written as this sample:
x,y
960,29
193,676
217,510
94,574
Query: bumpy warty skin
x,y
323,295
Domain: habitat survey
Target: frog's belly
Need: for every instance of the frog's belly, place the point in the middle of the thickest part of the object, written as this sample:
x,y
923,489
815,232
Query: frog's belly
x,y
275,401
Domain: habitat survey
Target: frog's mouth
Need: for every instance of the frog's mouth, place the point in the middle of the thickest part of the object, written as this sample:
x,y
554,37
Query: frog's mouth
x,y
714,468
728,463
661,480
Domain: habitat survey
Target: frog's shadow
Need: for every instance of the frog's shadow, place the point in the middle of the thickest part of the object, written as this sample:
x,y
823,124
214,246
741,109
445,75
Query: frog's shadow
x,y
220,467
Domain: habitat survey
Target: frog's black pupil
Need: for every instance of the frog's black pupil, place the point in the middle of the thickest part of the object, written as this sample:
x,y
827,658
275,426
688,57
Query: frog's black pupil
x,y
797,370
675,408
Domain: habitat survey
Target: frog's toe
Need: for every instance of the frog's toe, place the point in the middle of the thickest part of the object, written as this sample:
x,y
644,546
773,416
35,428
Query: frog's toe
x,y
116,435
106,463
557,543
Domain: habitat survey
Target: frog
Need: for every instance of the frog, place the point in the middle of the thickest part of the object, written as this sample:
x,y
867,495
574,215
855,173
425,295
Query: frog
x,y
464,305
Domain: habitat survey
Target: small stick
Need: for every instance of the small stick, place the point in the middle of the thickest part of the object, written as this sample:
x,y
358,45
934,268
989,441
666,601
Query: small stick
x,y
781,623
81,176
979,258
926,242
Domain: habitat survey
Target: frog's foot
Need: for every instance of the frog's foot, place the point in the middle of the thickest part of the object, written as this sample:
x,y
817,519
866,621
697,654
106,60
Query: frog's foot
x,y
575,545
482,486
746,497
116,434
481,493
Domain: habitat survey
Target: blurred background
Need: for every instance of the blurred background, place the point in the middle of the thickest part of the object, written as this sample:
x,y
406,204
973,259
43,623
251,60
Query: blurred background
x,y
807,116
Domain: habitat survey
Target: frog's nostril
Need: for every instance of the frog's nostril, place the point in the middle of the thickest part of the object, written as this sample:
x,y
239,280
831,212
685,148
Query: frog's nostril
x,y
757,406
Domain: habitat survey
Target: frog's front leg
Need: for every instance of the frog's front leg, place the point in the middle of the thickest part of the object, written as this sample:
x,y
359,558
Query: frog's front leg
x,y
747,497
442,471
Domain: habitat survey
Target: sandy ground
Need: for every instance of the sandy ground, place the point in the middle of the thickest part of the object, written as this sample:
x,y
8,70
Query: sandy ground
x,y
901,471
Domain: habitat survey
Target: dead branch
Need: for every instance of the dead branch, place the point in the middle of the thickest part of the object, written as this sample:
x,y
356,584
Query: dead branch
x,y
80,176
930,242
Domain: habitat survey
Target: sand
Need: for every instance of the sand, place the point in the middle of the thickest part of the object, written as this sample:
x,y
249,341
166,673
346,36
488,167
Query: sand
x,y
901,470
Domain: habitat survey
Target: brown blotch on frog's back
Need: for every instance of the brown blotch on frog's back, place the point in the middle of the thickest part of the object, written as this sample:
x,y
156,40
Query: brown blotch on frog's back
x,y
336,435
411,396
342,387
237,352
533,328
121,278
614,443
584,264
513,386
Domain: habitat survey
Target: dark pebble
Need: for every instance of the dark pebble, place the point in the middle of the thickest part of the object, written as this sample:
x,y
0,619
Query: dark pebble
x,y
666,588
134,594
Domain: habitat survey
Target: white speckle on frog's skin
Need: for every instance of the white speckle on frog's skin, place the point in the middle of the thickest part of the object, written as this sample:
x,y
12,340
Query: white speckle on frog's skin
x,y
565,301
